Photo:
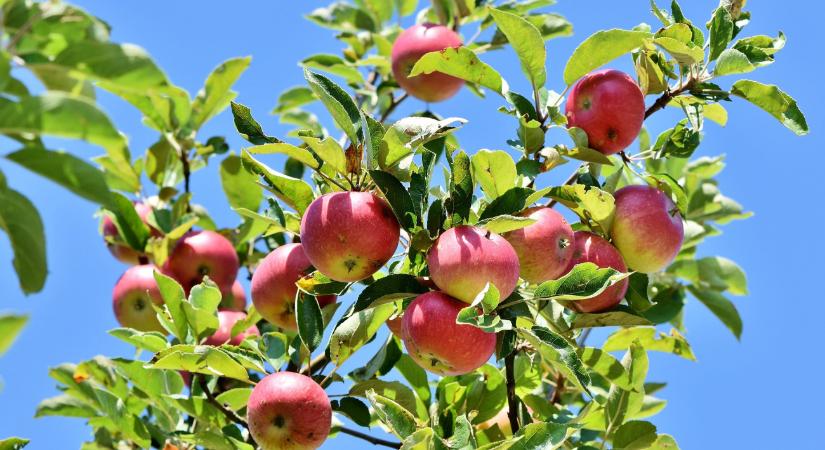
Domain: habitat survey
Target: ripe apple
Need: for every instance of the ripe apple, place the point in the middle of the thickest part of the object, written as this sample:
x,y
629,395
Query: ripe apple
x,y
121,250
545,247
648,228
133,296
200,253
502,420
223,334
348,236
409,47
437,343
273,285
588,247
609,106
287,410
465,258
235,300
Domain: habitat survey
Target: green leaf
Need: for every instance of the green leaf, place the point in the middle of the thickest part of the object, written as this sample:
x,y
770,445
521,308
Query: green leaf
x,y
24,228
775,102
478,314
723,308
559,353
151,341
714,272
405,137
354,331
528,43
216,93
389,289
310,321
585,280
495,171
622,403
544,435
330,152
353,408
398,198
732,62
335,65
685,53
721,32
248,127
66,406
634,435
650,339
510,203
505,223
415,376
201,309
293,98
10,327
173,298
589,203
606,365
617,318
239,185
343,17
601,48
294,192
13,443
203,359
297,153
461,189
392,390
400,421
129,224
461,62
236,398
61,115
339,104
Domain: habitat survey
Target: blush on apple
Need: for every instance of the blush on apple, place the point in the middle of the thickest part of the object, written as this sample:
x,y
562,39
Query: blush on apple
x,y
133,296
203,253
409,47
589,247
223,335
545,247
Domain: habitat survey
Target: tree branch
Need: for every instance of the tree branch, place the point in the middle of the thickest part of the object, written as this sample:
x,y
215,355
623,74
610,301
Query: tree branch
x,y
371,439
394,104
318,362
512,400
668,95
231,415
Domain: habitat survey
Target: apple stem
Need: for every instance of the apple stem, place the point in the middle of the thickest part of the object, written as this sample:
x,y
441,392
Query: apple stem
x,y
371,439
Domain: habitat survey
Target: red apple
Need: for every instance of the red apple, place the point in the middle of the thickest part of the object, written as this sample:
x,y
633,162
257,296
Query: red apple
x,y
545,247
119,249
465,258
609,106
588,247
410,46
287,410
273,285
223,334
201,253
348,236
437,343
235,300
395,325
648,228
133,296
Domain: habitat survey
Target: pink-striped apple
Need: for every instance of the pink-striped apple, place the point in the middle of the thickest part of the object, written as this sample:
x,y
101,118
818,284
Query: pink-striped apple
x,y
203,253
609,106
410,46
223,335
588,247
348,236
648,228
273,285
133,296
287,410
437,343
465,258
119,249
545,247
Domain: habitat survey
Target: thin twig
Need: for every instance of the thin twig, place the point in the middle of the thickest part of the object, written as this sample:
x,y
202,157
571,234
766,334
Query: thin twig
x,y
18,35
512,400
371,439
394,104
231,415
315,364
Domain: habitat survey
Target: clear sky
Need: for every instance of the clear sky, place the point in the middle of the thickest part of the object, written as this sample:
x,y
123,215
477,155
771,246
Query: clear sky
x,y
733,397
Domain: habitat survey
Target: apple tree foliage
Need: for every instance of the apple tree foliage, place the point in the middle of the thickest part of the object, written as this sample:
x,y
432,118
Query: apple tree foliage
x,y
557,391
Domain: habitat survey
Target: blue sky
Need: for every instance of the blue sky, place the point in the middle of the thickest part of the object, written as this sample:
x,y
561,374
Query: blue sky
x,y
713,403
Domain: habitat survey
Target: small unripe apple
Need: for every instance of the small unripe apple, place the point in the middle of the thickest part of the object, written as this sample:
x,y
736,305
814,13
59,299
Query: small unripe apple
x,y
647,228
410,46
438,344
287,410
133,296
545,247
588,247
121,250
201,253
465,258
609,106
223,335
348,236
273,285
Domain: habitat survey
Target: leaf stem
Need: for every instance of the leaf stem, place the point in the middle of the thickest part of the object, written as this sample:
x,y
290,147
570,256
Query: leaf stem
x,y
371,439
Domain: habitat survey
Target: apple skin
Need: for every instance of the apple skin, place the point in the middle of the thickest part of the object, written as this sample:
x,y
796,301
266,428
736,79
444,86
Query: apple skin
x,y
465,258
273,285
131,299
609,106
200,253
235,300
289,411
223,334
589,247
348,236
409,47
648,229
544,248
395,325
438,344
120,250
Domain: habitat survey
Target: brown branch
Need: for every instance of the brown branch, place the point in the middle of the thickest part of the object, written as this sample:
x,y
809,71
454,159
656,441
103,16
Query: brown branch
x,y
669,95
394,104
512,400
319,362
187,171
556,398
231,415
371,439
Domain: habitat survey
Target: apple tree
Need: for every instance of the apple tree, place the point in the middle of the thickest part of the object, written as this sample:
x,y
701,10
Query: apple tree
x,y
487,292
